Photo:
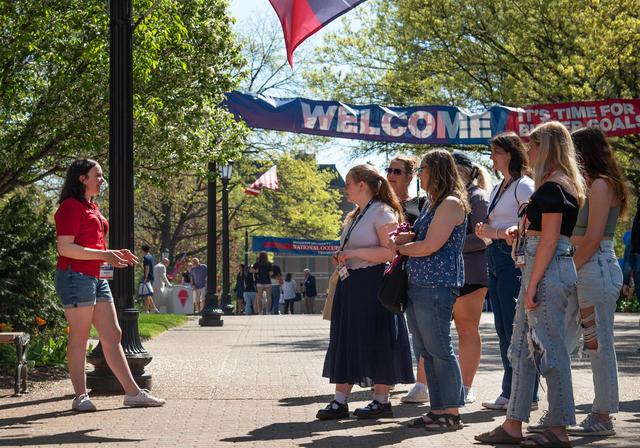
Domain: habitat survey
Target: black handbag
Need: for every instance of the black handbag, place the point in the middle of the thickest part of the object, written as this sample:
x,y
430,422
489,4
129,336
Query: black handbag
x,y
393,291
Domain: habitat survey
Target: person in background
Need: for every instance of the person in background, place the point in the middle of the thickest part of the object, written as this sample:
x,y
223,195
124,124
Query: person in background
x,y
509,157
186,276
634,257
276,282
83,268
198,274
467,310
146,284
250,295
239,289
542,247
309,292
289,291
160,281
264,270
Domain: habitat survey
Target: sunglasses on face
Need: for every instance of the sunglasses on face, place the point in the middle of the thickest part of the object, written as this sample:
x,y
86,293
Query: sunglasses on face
x,y
396,171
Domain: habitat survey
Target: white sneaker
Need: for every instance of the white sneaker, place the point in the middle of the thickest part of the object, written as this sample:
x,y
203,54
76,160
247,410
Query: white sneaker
x,y
469,396
143,400
83,403
418,394
499,403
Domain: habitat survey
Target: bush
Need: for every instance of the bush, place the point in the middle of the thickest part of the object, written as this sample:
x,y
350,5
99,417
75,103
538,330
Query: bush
x,y
28,301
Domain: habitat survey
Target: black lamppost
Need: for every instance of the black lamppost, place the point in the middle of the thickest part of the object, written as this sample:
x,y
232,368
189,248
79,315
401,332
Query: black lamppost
x,y
225,175
121,210
211,314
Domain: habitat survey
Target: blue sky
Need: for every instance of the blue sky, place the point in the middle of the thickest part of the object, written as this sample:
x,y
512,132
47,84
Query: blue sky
x,y
338,151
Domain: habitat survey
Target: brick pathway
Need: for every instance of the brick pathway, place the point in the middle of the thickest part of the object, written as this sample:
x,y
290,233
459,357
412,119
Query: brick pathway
x,y
256,383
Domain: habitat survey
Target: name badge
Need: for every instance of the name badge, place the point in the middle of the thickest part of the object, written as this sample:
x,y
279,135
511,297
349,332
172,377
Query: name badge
x,y
106,271
343,272
518,252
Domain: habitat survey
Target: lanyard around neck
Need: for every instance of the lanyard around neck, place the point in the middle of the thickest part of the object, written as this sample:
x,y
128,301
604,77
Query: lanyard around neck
x,y
353,225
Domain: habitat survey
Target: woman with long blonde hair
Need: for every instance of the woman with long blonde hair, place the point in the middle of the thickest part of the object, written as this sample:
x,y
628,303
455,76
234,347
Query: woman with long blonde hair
x,y
368,345
435,271
543,249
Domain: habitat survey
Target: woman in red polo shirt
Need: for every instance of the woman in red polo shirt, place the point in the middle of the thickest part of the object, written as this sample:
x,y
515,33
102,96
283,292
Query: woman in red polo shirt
x,y
84,265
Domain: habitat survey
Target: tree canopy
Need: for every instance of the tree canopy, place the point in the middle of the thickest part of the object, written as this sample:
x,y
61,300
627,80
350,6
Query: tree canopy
x,y
54,75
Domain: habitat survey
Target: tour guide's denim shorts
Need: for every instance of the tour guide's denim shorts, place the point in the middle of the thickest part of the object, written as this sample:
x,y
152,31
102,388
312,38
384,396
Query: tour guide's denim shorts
x,y
77,289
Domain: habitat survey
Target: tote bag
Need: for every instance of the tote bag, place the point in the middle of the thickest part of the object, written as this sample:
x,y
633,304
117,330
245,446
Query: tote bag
x,y
331,291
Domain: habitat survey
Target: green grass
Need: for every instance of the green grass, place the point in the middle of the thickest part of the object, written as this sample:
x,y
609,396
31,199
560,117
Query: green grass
x,y
151,325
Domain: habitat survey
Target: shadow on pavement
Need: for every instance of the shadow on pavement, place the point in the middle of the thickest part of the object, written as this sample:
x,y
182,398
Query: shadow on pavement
x,y
72,438
21,404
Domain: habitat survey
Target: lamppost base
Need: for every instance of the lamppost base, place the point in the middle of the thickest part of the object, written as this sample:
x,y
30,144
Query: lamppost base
x,y
211,319
106,382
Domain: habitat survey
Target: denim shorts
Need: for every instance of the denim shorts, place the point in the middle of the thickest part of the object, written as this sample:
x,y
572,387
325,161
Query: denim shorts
x,y
77,289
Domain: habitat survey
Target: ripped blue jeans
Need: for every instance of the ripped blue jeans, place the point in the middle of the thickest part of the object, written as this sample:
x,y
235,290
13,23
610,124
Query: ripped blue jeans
x,y
598,288
538,341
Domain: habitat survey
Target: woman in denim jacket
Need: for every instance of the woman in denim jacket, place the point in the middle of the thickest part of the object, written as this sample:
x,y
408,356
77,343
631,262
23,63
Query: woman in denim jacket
x,y
435,270
548,277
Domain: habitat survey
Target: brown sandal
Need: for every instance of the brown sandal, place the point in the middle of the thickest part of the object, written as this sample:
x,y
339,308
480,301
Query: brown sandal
x,y
498,436
545,439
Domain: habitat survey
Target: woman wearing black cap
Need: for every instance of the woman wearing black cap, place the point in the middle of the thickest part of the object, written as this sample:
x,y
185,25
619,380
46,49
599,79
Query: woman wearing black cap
x,y
468,307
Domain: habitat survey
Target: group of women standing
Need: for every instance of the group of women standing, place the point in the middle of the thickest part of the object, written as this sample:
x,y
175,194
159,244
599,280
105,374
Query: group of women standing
x,y
540,243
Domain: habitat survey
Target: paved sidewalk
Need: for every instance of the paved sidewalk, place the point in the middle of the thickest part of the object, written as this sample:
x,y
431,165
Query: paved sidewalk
x,y
256,383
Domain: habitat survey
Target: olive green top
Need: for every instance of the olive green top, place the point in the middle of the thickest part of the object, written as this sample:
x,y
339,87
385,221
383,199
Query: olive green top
x,y
583,216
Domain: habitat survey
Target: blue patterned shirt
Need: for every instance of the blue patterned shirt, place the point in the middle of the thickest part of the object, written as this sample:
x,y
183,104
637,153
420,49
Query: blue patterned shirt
x,y
445,267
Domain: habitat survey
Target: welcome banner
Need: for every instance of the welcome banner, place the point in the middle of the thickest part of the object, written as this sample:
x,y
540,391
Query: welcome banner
x,y
291,246
437,125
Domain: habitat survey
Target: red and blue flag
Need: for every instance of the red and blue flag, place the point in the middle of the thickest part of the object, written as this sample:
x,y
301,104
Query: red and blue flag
x,y
301,18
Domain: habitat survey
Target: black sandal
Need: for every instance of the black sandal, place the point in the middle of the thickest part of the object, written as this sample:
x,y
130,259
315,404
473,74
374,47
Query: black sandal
x,y
419,422
444,422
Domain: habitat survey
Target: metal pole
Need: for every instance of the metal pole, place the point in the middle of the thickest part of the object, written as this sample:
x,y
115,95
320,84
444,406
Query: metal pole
x,y
246,248
211,314
226,297
121,211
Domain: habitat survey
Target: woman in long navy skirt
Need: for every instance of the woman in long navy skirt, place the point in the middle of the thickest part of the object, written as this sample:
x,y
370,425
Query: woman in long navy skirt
x,y
368,345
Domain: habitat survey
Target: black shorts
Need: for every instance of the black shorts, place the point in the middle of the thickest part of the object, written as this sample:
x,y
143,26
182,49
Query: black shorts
x,y
468,288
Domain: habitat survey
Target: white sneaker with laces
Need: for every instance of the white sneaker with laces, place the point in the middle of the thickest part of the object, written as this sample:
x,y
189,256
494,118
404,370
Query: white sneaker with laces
x,y
499,403
143,400
418,394
469,396
83,403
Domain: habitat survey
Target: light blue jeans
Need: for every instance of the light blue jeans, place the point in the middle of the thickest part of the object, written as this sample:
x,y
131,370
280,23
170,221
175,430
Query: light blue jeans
x,y
250,302
599,283
538,341
429,319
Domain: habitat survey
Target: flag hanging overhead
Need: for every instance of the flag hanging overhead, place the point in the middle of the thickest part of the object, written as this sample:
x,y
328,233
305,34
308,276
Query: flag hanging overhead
x,y
301,18
267,180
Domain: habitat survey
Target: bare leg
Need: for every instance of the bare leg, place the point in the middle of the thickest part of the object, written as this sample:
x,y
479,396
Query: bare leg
x,y
106,322
258,308
467,312
79,320
421,375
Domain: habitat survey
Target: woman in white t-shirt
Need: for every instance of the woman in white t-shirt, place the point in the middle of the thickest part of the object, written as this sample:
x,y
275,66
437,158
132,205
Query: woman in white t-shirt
x,y
509,158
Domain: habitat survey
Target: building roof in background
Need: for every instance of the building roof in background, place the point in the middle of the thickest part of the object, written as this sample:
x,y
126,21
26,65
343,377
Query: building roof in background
x,y
337,181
